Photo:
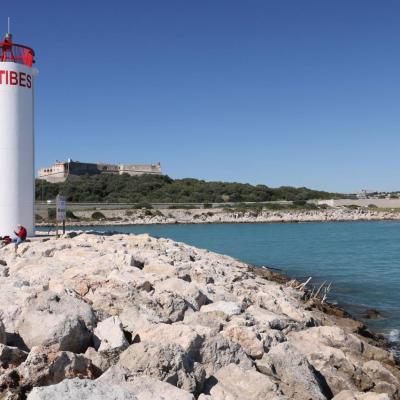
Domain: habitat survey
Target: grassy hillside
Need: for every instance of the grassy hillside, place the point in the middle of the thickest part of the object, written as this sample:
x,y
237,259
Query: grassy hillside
x,y
151,188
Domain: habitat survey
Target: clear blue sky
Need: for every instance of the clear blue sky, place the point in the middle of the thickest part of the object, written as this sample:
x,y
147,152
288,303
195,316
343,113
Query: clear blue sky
x,y
283,92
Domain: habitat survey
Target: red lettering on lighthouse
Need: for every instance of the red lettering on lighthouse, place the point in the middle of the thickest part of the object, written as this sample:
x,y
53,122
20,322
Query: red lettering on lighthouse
x,y
22,79
15,78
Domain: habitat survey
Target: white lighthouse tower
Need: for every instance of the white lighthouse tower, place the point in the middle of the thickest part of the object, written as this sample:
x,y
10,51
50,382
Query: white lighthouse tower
x,y
17,179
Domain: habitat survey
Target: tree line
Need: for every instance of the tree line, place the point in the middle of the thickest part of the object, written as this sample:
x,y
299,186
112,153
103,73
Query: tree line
x,y
107,188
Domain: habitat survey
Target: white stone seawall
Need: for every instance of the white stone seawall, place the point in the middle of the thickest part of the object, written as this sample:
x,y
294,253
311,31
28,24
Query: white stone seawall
x,y
95,317
218,215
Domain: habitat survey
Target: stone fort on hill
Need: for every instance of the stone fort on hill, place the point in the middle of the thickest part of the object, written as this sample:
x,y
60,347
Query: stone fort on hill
x,y
61,170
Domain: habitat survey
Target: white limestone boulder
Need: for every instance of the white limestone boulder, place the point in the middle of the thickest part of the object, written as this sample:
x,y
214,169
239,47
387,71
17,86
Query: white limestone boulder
x,y
146,388
226,308
384,380
335,355
246,338
232,383
54,319
217,351
45,366
169,306
190,291
351,395
101,360
297,378
165,362
175,334
208,320
81,389
266,318
137,317
284,303
143,387
109,335
160,269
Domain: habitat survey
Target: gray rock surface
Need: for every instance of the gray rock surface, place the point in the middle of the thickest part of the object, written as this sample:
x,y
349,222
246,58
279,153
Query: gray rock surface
x,y
227,308
167,363
217,351
11,357
297,378
81,389
246,338
232,383
175,334
3,337
349,395
45,366
144,387
50,318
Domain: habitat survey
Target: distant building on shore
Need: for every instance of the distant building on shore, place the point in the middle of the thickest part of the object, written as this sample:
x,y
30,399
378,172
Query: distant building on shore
x,y
61,170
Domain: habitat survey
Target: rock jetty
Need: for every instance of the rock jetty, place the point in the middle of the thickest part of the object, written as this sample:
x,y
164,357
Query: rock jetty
x,y
224,216
120,317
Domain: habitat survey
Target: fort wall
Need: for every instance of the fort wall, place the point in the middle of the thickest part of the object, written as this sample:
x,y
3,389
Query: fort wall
x,y
60,171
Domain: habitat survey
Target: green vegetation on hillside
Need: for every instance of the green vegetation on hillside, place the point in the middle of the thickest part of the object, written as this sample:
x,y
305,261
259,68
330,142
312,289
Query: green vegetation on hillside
x,y
162,189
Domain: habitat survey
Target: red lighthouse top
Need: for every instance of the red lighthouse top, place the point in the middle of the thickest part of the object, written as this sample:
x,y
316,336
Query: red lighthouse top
x,y
17,53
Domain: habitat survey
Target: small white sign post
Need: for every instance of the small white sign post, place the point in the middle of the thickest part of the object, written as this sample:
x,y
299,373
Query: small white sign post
x,y
61,211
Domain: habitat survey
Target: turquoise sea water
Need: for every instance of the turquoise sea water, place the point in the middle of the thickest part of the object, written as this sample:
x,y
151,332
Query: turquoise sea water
x,y
361,259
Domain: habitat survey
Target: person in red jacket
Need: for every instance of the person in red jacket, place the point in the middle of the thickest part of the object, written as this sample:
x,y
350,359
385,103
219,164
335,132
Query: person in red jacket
x,y
21,234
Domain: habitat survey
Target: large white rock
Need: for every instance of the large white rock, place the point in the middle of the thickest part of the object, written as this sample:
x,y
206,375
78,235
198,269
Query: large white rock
x,y
160,268
176,334
235,384
217,351
349,395
82,389
227,308
281,303
246,338
144,387
190,291
45,366
109,335
165,362
384,380
170,307
53,319
335,354
208,320
267,318
101,360
136,317
297,378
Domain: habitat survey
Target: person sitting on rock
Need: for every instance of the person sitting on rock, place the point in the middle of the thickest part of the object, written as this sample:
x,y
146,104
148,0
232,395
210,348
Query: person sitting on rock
x,y
20,236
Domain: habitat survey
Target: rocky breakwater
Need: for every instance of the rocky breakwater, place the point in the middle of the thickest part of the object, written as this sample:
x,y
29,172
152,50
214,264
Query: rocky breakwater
x,y
220,215
134,317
